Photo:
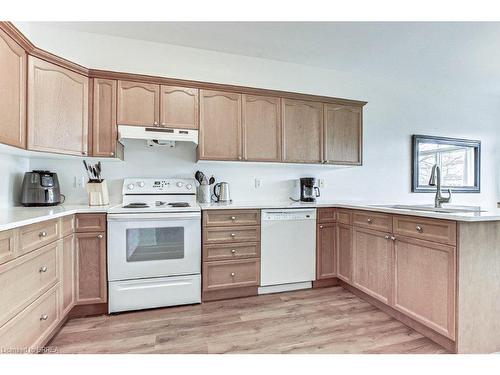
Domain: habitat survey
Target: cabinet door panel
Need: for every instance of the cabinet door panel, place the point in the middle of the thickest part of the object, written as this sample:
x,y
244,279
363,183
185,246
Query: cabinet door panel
x,y
104,118
12,92
302,131
261,128
344,252
57,109
372,263
179,107
424,283
138,103
68,274
91,268
326,262
220,125
343,134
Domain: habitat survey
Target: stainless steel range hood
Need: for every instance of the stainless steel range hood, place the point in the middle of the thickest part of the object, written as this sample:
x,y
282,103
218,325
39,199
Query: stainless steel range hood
x,y
157,136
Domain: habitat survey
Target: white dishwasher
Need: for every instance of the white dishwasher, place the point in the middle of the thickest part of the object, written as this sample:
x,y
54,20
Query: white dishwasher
x,y
288,249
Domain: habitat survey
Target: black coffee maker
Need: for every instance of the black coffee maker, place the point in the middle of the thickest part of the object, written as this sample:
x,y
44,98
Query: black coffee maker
x,y
309,190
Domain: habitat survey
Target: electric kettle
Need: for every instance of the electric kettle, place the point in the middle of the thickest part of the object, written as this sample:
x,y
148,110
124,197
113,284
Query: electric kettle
x,y
221,192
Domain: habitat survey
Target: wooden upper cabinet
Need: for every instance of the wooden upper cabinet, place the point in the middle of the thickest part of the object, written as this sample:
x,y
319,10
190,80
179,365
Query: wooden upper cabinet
x,y
57,109
12,92
302,129
179,107
424,283
261,128
104,129
326,262
138,103
372,263
220,125
342,134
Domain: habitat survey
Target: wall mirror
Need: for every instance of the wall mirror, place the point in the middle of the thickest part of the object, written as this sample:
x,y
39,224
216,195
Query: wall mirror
x,y
458,159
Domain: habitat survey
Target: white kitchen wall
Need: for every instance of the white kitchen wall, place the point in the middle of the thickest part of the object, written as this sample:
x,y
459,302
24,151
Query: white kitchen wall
x,y
12,170
395,111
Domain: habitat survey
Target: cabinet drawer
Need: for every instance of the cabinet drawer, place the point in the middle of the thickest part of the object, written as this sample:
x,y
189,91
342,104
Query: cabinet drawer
x,y
67,225
372,220
28,330
231,251
34,236
326,215
344,217
90,223
217,218
26,278
8,245
231,274
234,234
441,231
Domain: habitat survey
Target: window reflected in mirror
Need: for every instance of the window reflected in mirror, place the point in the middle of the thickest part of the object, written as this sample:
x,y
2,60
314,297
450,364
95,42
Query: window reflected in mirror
x,y
458,159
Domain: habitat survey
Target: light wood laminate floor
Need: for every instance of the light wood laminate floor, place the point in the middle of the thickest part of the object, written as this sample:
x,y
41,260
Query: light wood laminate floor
x,y
328,320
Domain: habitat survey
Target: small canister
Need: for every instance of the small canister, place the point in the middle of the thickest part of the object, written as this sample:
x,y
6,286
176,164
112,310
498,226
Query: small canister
x,y
203,194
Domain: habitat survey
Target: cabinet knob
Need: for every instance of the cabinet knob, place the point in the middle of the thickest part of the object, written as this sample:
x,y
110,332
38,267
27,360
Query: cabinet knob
x,y
233,235
42,234
99,236
393,238
155,123
43,269
163,124
112,154
321,227
239,157
44,317
233,251
369,220
233,218
387,237
233,274
419,229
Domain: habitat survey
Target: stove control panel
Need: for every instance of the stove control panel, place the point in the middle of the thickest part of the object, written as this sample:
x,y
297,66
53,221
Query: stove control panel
x,y
158,186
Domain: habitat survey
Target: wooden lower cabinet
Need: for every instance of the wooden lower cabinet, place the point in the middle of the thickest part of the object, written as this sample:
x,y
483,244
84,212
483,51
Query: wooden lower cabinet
x,y
372,263
424,283
68,274
91,284
326,262
344,252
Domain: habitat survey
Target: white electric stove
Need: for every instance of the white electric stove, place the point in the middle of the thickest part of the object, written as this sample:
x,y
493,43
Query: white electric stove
x,y
154,245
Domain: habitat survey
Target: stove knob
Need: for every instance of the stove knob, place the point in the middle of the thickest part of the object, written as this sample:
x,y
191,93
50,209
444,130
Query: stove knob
x,y
189,186
141,183
130,186
180,184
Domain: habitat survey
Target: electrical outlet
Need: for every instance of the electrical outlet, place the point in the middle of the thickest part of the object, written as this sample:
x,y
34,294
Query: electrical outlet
x,y
79,182
258,183
322,183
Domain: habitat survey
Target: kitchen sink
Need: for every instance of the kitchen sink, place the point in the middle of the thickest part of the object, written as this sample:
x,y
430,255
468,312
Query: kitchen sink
x,y
431,208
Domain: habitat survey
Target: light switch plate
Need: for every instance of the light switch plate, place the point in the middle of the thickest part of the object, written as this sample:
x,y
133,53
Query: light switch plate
x,y
322,183
258,183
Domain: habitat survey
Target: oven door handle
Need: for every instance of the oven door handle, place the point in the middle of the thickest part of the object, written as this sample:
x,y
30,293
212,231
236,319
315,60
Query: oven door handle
x,y
157,217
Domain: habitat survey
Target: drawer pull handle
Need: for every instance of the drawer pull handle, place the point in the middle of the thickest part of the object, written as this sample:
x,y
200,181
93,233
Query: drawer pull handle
x,y
233,218
233,274
369,221
99,236
42,234
233,235
393,238
321,227
44,317
419,229
43,269
387,237
233,251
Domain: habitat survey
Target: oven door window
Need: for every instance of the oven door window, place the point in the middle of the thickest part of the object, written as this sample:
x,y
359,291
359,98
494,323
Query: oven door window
x,y
148,244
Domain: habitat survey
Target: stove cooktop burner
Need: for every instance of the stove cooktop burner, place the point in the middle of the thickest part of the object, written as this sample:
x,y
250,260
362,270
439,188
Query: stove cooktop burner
x,y
136,205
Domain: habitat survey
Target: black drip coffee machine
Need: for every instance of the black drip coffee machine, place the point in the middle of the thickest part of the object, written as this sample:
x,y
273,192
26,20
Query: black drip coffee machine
x,y
309,191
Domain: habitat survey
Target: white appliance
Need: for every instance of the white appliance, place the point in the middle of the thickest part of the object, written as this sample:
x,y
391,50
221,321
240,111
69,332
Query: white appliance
x,y
288,249
154,245
157,136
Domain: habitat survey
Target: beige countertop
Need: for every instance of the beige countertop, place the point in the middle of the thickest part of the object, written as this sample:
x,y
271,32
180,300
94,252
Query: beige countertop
x,y
13,217
489,214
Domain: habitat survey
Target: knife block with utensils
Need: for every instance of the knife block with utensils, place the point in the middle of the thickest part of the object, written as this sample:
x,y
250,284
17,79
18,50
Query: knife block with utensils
x,y
98,193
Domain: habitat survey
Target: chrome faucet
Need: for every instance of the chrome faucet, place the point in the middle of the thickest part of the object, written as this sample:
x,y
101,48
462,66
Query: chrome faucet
x,y
436,180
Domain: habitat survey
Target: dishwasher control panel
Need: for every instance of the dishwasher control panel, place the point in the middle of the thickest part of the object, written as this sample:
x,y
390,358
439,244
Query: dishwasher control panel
x,y
288,214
